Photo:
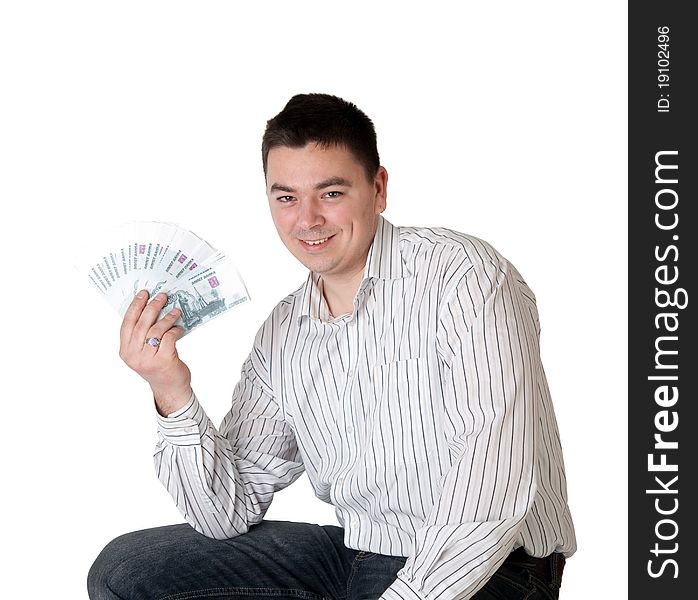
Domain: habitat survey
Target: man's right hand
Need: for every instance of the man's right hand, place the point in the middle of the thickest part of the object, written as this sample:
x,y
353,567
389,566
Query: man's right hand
x,y
160,366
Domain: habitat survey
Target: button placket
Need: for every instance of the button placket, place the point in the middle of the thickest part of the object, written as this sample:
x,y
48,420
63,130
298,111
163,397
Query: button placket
x,y
352,333
345,418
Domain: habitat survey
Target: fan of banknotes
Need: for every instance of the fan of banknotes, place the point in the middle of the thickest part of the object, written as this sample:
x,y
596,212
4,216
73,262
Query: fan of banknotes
x,y
162,257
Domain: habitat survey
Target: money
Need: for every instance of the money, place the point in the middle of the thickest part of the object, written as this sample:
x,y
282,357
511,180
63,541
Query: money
x,y
162,257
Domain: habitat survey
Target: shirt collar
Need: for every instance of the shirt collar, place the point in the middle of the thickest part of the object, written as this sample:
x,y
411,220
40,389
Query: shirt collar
x,y
384,261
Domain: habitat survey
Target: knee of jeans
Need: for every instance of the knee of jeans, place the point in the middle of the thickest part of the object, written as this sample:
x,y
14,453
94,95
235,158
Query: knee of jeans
x,y
99,579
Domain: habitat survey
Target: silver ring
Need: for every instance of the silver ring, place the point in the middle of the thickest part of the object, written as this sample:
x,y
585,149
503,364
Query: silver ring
x,y
153,341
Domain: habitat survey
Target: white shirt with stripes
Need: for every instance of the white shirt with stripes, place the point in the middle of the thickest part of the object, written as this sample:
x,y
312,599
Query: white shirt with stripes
x,y
423,416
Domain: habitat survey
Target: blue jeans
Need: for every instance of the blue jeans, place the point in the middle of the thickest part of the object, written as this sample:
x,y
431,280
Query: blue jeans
x,y
275,559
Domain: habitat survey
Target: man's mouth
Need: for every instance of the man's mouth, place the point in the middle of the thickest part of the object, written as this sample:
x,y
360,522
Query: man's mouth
x,y
317,244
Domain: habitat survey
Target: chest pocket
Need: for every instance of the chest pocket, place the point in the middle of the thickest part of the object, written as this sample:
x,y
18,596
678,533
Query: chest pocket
x,y
405,427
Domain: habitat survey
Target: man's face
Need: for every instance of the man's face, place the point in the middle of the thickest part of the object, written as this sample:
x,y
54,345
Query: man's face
x,y
324,207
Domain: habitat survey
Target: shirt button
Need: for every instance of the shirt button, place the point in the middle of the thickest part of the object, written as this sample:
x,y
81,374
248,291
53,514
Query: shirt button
x,y
355,523
350,429
188,429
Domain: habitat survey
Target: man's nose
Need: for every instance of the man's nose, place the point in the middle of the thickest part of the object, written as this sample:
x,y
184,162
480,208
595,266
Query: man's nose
x,y
310,214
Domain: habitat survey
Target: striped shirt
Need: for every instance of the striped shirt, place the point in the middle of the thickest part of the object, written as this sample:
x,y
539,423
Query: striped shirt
x,y
423,416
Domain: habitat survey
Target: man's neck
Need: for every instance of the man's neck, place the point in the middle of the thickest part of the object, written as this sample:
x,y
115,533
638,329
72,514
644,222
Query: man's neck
x,y
340,292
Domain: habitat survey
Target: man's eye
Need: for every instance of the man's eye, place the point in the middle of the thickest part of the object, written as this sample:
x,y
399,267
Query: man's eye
x,y
333,194
285,199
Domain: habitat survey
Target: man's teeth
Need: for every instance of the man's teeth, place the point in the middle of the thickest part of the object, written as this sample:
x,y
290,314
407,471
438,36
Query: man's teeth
x,y
316,242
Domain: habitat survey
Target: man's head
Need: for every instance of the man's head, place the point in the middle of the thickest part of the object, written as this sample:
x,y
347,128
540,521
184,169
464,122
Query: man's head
x,y
324,184
328,121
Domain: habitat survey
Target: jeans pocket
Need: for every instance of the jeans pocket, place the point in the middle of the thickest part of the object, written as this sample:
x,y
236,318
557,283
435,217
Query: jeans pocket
x,y
372,574
361,556
544,590
508,586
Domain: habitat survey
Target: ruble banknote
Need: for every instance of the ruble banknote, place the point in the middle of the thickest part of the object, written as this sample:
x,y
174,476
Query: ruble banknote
x,y
198,279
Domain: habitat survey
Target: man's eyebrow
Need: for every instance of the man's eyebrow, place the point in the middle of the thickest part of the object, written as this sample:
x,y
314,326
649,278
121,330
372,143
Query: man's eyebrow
x,y
333,181
277,187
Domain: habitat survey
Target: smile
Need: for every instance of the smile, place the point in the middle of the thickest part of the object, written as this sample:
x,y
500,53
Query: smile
x,y
316,242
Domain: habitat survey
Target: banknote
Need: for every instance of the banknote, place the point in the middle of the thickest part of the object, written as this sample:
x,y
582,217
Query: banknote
x,y
198,278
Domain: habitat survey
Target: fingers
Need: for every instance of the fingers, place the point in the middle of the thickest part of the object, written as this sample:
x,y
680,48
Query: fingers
x,y
133,313
168,340
163,325
141,321
159,365
147,318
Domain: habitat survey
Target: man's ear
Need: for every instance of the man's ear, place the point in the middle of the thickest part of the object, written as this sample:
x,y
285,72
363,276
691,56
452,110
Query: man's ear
x,y
380,187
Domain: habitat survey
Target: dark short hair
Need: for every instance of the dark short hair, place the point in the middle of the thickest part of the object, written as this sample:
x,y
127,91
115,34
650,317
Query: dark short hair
x,y
328,121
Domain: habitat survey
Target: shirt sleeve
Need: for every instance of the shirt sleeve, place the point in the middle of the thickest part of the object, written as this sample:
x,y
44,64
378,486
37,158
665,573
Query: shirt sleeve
x,y
223,482
490,368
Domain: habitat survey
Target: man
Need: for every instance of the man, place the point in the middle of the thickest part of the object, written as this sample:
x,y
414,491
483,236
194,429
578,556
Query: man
x,y
404,377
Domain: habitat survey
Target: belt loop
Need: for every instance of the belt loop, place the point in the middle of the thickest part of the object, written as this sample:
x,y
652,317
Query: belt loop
x,y
557,565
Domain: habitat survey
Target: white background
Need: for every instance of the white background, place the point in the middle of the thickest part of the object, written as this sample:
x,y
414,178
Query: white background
x,y
505,120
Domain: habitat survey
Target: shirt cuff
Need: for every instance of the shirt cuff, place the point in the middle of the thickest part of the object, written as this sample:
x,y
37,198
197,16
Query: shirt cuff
x,y
401,590
184,426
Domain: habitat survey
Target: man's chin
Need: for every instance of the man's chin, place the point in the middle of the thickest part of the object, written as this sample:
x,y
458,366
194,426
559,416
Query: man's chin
x,y
316,266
